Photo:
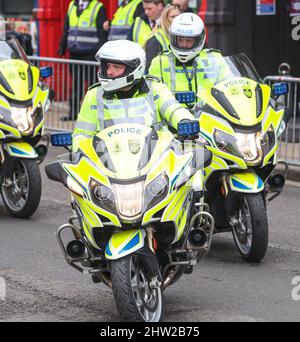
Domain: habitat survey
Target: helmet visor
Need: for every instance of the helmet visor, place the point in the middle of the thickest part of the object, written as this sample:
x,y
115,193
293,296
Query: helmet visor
x,y
130,66
187,43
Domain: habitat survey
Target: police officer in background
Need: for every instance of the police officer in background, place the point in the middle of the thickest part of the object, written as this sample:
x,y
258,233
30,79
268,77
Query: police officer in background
x,y
121,77
144,25
124,17
181,69
83,34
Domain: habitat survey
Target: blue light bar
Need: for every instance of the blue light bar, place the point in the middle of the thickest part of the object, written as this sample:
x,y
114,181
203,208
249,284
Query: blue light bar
x,y
46,72
61,139
185,97
280,89
188,128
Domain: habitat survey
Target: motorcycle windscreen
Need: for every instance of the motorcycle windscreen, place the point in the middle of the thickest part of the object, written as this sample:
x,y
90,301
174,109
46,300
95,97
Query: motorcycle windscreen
x,y
232,87
127,143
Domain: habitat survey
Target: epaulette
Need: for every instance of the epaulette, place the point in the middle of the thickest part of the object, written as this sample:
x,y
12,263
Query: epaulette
x,y
94,86
152,78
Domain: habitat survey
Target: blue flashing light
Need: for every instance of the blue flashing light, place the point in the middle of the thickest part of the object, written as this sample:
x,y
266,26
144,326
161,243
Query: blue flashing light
x,y
61,139
188,128
46,72
185,97
280,89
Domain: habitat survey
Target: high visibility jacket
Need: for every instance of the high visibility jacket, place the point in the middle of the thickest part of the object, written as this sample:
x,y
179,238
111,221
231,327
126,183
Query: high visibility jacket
x,y
185,79
83,34
141,31
163,39
122,20
97,112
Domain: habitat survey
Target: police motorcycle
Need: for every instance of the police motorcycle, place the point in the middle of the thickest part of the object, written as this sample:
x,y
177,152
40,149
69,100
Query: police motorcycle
x,y
135,189
241,122
23,101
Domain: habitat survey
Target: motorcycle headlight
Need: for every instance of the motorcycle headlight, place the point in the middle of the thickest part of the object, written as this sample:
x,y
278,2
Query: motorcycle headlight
x,y
129,198
102,196
250,146
226,143
156,191
25,118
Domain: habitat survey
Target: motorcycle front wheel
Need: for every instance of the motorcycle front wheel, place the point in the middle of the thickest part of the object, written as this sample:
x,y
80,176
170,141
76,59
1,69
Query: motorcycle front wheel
x,y
250,228
21,191
136,299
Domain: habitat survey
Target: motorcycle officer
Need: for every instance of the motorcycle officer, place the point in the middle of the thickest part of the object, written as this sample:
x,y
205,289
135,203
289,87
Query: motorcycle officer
x,y
182,68
121,76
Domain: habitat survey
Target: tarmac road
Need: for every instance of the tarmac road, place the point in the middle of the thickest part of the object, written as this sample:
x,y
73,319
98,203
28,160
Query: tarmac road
x,y
40,286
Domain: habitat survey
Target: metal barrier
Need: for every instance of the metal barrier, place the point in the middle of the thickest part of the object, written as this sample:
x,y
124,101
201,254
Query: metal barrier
x,y
69,84
289,148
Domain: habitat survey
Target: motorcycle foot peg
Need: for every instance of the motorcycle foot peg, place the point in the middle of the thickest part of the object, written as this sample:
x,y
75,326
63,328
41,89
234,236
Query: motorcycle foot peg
x,y
189,269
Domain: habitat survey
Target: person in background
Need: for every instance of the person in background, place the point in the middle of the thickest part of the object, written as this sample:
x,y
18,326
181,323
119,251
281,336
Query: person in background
x,y
160,40
144,25
183,5
123,19
83,34
184,68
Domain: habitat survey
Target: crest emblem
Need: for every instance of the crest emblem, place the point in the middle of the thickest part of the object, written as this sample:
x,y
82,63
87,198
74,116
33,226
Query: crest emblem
x,y
22,75
248,92
134,146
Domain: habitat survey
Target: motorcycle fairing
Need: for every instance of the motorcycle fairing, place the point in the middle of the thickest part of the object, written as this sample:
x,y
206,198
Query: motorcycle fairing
x,y
20,150
246,182
240,100
124,243
21,79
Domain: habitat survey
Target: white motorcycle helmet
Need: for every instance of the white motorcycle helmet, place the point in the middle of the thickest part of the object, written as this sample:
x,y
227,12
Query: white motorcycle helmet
x,y
189,26
121,52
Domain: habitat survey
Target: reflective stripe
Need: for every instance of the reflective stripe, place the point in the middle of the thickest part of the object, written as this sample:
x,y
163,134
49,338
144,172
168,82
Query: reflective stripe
x,y
118,32
86,126
137,30
136,120
85,135
96,7
74,29
167,104
172,73
162,40
150,99
172,114
100,105
72,4
83,39
134,6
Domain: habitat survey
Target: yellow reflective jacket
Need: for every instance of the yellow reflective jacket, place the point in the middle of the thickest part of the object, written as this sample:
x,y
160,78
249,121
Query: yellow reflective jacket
x,y
97,111
172,73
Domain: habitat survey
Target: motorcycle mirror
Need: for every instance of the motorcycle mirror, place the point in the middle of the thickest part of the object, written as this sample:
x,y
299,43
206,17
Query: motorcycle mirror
x,y
279,89
61,139
46,72
56,173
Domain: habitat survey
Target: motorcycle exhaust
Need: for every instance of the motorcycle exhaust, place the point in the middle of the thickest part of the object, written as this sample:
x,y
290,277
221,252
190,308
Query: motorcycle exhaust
x,y
75,249
197,238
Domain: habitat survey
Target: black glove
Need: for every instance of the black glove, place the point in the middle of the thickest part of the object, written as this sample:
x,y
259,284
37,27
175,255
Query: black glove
x,y
61,52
